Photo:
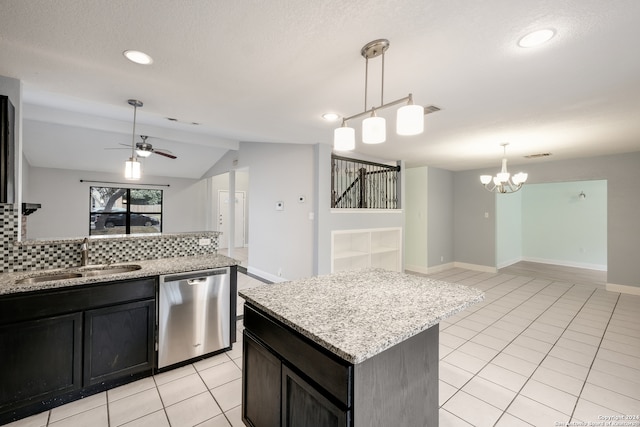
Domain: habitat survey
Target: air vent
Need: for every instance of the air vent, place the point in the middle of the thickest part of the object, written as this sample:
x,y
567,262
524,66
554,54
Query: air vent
x,y
535,156
431,109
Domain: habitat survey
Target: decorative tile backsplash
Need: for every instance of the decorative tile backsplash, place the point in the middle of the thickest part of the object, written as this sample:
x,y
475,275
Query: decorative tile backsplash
x,y
44,254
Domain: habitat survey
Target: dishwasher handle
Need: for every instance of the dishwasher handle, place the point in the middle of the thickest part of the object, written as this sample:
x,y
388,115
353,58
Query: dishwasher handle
x,y
197,281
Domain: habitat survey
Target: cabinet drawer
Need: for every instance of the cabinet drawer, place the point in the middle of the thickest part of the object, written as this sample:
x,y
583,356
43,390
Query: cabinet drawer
x,y
33,305
325,369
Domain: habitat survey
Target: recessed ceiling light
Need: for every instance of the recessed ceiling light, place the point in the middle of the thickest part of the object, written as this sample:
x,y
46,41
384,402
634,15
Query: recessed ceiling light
x,y
330,117
138,57
536,38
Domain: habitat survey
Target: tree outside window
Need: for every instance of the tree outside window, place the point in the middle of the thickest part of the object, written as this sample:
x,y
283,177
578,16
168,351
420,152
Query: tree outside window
x,y
115,210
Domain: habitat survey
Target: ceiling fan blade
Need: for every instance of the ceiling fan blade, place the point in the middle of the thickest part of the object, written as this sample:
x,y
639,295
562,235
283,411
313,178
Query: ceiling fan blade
x,y
165,153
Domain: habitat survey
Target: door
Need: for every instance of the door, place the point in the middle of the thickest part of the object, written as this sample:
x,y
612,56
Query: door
x,y
304,405
239,218
39,359
260,385
119,341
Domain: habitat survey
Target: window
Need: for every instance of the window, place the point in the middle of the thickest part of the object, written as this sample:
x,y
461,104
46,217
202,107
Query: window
x,y
124,211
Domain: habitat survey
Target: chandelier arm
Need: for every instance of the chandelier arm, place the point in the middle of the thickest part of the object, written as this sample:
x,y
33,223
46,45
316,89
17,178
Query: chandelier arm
x,y
387,105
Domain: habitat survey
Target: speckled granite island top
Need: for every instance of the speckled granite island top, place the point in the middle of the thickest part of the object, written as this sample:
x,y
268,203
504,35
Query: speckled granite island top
x,y
358,314
155,267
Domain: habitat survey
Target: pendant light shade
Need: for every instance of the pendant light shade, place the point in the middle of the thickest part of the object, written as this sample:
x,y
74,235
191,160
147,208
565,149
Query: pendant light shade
x,y
132,169
374,129
344,138
410,120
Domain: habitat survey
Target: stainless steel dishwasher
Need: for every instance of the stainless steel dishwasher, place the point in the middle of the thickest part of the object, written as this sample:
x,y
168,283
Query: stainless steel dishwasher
x,y
193,315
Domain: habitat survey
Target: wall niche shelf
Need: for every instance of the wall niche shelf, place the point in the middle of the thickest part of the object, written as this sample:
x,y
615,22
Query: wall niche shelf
x,y
365,248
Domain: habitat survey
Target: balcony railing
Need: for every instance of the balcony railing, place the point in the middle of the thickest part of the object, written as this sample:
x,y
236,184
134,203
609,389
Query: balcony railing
x,y
358,184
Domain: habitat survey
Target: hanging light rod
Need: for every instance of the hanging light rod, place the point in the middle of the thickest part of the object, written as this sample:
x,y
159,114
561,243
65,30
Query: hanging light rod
x,y
410,118
132,166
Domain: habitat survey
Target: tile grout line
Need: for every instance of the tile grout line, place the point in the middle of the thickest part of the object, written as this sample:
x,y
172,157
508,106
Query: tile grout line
x,y
594,358
551,282
547,354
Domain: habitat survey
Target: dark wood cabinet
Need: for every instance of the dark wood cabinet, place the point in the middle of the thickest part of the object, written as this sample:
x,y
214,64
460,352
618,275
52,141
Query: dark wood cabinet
x,y
40,359
118,341
261,391
304,405
7,151
62,344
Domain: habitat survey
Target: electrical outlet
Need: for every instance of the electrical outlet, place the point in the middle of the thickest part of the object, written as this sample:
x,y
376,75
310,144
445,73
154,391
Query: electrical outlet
x,y
204,242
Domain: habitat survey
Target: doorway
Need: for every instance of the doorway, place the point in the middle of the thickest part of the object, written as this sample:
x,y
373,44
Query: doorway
x,y
239,218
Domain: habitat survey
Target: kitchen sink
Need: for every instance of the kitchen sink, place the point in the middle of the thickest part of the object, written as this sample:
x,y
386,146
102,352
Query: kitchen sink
x,y
48,277
88,271
101,270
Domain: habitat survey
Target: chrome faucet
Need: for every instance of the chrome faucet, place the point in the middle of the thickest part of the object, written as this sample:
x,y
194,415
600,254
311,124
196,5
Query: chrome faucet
x,y
84,254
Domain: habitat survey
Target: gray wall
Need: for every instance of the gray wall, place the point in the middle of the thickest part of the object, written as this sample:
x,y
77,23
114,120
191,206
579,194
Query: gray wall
x,y
281,246
416,219
474,235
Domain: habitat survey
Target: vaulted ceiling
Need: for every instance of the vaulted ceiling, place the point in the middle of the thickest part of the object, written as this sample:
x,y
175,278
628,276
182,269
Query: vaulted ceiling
x,y
266,71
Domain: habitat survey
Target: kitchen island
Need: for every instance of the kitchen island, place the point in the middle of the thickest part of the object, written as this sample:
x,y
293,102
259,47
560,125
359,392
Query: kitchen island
x,y
357,348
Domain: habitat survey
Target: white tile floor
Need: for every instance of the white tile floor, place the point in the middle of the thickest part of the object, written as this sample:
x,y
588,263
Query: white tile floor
x,y
535,352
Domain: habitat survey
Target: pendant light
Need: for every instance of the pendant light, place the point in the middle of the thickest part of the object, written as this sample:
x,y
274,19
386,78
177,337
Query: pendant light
x,y
409,119
132,169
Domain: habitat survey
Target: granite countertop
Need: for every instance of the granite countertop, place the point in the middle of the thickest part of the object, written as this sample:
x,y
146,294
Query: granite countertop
x,y
155,267
358,314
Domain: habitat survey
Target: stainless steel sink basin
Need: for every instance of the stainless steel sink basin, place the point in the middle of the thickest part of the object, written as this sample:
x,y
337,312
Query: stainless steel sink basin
x,y
101,270
88,271
48,278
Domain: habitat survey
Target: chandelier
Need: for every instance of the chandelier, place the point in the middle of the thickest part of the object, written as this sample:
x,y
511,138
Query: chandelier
x,y
503,182
132,166
409,120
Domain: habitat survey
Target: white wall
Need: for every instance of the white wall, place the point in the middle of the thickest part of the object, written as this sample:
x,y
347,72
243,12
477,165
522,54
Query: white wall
x,y
509,228
65,202
561,228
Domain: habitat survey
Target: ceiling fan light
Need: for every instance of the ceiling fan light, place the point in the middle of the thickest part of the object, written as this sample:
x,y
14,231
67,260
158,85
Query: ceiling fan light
x,y
344,138
143,153
132,169
410,120
374,130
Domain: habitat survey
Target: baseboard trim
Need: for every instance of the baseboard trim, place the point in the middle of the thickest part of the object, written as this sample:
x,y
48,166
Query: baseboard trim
x,y
475,267
623,289
259,274
597,267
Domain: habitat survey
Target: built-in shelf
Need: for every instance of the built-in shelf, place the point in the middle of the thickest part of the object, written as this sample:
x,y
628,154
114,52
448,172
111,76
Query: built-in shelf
x,y
376,247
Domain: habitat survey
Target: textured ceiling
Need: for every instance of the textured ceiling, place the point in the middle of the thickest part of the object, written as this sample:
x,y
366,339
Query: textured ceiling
x,y
266,72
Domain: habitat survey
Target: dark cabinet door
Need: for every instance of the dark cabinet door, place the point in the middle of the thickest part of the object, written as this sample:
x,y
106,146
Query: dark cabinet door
x,y
304,405
261,379
119,341
39,359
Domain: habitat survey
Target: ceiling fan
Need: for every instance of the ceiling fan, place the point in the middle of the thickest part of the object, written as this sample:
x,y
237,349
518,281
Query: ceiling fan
x,y
145,149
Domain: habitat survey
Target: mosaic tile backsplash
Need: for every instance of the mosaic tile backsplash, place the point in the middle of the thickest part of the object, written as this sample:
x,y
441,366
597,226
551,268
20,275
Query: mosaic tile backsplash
x,y
45,254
